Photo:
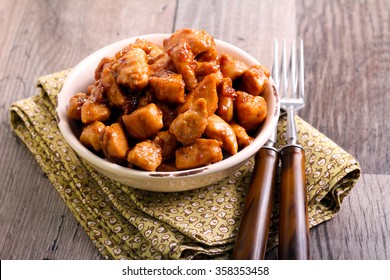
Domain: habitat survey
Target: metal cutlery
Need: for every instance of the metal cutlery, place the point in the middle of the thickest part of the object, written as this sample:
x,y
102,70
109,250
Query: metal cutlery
x,y
293,214
251,241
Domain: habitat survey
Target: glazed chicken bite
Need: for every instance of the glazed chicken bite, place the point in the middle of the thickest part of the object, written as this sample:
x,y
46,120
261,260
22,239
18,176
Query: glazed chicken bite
x,y
96,92
132,69
168,87
226,108
232,68
200,153
243,139
183,59
151,49
75,104
116,97
190,125
94,111
161,64
198,40
168,144
90,136
220,130
250,110
146,155
206,68
102,64
226,95
206,89
114,143
144,122
253,81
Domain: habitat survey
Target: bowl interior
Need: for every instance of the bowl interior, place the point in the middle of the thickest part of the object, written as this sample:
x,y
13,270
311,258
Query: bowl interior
x,y
82,75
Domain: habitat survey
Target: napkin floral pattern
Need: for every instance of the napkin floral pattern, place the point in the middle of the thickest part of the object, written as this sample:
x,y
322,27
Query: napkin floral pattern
x,y
126,223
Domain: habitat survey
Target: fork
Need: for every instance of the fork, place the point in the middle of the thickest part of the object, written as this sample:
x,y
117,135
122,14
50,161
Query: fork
x,y
251,241
293,214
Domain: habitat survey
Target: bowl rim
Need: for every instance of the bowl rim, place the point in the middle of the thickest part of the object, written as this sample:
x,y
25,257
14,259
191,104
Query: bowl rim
x,y
83,152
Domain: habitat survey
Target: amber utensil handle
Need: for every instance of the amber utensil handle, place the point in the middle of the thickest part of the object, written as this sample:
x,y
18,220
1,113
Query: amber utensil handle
x,y
252,235
293,219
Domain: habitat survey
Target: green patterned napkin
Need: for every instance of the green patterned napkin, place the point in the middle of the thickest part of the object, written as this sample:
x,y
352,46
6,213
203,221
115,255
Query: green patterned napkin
x,y
126,223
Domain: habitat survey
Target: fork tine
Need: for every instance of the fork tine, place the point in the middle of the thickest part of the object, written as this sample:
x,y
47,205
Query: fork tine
x,y
285,73
293,69
301,73
275,67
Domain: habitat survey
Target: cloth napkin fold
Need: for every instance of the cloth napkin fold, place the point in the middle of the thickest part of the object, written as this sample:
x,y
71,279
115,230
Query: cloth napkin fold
x,y
126,223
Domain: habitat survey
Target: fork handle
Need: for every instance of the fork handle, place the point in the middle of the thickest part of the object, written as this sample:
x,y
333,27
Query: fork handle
x,y
251,241
293,219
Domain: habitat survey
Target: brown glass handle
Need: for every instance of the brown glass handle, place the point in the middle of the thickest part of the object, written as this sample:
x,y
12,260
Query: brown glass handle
x,y
252,235
293,219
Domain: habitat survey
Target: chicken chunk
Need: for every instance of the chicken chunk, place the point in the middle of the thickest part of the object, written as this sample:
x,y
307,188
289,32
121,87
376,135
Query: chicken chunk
x,y
144,122
201,153
90,136
232,68
226,100
168,87
96,92
132,69
243,139
226,88
75,104
168,144
226,108
102,64
220,130
183,59
162,64
94,111
190,125
250,110
116,97
151,49
206,89
209,55
198,40
253,81
146,155
206,68
114,143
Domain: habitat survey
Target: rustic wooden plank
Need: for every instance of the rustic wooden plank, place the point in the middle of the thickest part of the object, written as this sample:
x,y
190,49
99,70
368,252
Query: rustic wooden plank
x,y
50,37
347,75
361,229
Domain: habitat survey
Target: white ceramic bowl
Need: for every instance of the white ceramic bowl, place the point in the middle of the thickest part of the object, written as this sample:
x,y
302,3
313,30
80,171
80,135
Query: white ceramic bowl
x,y
82,76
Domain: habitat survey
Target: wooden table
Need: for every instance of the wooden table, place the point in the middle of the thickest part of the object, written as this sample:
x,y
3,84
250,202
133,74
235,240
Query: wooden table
x,y
347,53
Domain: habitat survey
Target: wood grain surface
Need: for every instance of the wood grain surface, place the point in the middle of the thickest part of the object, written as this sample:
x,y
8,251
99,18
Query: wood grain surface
x,y
347,60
